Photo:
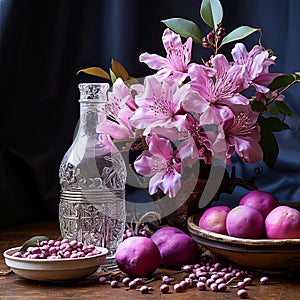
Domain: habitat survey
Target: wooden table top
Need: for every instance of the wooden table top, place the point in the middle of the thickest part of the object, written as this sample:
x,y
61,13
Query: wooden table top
x,y
15,287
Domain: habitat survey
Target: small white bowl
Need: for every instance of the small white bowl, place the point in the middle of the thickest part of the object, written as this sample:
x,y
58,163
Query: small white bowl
x,y
54,269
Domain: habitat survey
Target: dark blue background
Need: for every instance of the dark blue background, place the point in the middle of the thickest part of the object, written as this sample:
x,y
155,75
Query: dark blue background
x,y
44,43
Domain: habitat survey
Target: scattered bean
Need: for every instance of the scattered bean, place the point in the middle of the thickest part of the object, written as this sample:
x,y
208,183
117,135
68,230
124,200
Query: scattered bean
x,y
102,279
144,289
164,288
222,287
166,279
132,284
248,280
242,293
126,280
178,288
114,283
264,280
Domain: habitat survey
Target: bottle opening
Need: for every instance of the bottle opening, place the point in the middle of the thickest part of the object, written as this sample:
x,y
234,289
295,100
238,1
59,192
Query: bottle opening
x,y
93,91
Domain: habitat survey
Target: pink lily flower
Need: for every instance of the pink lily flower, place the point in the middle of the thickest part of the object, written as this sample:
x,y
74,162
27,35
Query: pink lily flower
x,y
117,125
162,164
201,142
254,66
160,105
242,133
176,64
217,86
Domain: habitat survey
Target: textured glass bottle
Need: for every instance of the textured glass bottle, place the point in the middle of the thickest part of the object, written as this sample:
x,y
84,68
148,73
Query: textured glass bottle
x,y
92,178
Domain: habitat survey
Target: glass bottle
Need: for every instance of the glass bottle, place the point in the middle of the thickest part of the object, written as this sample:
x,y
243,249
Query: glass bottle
x,y
92,178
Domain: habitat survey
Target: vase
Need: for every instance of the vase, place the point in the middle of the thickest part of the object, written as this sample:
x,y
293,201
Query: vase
x,y
201,185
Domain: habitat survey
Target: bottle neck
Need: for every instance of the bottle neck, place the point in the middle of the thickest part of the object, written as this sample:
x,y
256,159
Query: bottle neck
x,y
93,97
90,116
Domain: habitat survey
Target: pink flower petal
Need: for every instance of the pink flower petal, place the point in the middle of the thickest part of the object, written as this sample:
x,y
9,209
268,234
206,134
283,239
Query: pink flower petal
x,y
248,150
171,183
159,146
143,164
154,61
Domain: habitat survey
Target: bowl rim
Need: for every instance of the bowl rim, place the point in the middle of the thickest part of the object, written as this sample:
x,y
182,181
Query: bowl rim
x,y
8,255
218,237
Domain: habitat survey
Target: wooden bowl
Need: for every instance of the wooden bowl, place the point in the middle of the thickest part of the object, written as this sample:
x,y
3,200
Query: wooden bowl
x,y
263,254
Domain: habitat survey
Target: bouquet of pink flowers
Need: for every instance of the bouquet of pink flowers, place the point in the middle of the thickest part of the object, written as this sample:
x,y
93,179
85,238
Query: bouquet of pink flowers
x,y
190,111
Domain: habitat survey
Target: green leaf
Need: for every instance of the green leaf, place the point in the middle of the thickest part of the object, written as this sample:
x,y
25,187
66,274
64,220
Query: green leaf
x,y
238,34
258,106
273,110
211,12
272,124
112,75
269,147
281,81
184,28
268,141
284,80
95,71
284,109
33,242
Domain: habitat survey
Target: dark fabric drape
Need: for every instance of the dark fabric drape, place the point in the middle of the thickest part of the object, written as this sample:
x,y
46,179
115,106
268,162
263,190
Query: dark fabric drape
x,y
44,43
